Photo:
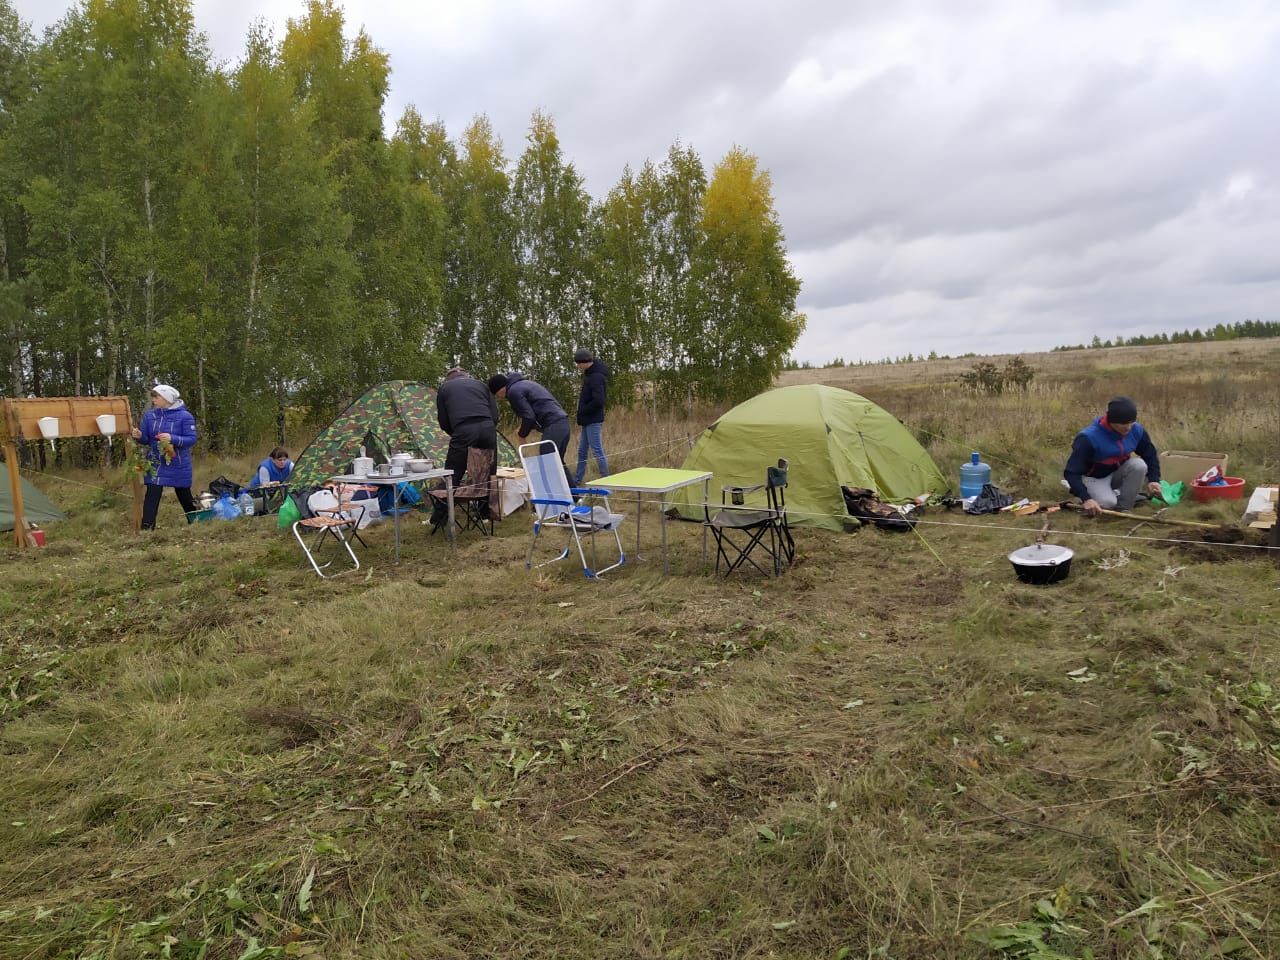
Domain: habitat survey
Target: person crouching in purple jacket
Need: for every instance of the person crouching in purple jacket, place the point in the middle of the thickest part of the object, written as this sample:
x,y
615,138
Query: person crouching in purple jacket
x,y
168,430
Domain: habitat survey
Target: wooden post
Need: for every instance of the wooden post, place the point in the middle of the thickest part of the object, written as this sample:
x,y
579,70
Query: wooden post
x,y
134,480
15,488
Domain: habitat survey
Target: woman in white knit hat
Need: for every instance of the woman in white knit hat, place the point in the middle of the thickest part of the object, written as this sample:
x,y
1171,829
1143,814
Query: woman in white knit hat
x,y
168,430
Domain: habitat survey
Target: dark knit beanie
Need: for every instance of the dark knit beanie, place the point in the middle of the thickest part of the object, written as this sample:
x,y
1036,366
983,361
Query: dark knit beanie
x,y
1122,410
497,382
582,355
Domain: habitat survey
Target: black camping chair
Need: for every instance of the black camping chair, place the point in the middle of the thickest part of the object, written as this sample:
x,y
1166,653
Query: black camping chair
x,y
741,529
471,500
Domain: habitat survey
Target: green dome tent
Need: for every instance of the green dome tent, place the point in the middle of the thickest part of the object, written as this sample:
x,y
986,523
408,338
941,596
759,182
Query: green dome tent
x,y
36,507
391,417
832,438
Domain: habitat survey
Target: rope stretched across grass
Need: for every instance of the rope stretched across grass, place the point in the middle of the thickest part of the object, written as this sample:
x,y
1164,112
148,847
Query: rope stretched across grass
x,y
813,514
792,512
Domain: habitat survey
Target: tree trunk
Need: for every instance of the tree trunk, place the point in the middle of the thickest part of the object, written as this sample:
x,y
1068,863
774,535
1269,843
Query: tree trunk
x,y
280,411
255,270
15,331
149,288
113,344
204,418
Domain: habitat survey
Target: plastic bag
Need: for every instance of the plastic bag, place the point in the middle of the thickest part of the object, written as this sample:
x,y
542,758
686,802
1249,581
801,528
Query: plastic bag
x,y
224,508
288,514
990,500
404,493
219,486
1211,477
1172,493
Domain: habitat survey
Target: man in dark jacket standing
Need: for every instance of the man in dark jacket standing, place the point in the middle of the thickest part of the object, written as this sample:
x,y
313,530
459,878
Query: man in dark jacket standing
x,y
1111,459
536,408
591,403
468,413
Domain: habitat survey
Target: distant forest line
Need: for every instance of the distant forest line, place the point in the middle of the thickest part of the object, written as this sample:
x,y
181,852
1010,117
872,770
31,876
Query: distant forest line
x,y
249,234
1223,331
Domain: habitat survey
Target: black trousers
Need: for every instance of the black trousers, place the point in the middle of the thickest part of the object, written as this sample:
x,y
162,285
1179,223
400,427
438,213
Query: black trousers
x,y
477,433
558,433
151,503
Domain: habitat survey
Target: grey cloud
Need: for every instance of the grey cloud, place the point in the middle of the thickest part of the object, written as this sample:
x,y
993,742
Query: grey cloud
x,y
950,176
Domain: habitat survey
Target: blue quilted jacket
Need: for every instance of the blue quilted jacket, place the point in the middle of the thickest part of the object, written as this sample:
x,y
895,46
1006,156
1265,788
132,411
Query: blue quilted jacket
x,y
178,422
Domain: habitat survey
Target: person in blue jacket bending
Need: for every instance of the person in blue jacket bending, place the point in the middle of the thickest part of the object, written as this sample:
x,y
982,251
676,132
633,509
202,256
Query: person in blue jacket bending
x,y
1111,459
168,431
537,410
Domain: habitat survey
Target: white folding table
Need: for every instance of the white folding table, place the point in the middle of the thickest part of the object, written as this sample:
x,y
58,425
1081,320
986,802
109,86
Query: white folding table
x,y
660,481
394,483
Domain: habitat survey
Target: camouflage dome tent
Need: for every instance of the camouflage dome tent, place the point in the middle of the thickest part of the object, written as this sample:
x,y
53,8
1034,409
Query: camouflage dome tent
x,y
398,416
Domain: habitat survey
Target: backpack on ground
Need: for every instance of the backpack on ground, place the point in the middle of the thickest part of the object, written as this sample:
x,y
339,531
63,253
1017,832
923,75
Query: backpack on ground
x,y
221,486
869,508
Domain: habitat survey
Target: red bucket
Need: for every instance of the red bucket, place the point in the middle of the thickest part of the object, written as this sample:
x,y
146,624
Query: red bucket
x,y
1233,489
37,536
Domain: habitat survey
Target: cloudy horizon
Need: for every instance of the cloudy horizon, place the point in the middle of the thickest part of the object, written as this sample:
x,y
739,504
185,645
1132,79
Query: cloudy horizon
x,y
949,176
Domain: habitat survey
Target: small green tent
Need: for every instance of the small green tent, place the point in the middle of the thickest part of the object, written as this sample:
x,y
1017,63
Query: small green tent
x,y
831,437
398,416
36,507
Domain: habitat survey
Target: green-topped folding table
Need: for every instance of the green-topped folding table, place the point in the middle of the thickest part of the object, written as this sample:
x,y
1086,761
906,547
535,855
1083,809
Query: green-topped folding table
x,y
660,481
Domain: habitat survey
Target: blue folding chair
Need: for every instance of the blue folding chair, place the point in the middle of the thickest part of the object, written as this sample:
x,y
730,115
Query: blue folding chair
x,y
554,506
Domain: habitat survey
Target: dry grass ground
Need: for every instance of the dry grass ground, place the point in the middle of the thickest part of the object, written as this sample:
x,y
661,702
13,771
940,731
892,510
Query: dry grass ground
x,y
207,752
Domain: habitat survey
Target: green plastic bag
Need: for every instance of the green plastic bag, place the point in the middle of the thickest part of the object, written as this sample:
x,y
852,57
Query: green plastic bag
x,y
1172,493
288,515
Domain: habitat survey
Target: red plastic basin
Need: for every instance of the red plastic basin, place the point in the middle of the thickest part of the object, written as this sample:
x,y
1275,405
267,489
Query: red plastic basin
x,y
1231,490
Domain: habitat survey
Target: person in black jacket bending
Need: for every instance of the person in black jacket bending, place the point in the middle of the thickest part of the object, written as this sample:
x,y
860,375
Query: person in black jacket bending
x,y
591,403
468,413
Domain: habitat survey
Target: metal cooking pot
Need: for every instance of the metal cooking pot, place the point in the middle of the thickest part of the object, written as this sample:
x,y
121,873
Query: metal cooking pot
x,y
420,465
1042,563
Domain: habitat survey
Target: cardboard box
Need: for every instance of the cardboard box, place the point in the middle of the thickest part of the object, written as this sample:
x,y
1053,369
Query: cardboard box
x,y
1186,465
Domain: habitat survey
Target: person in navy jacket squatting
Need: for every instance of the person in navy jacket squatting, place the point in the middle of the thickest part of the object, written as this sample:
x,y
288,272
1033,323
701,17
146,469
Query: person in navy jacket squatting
x,y
1110,460
168,430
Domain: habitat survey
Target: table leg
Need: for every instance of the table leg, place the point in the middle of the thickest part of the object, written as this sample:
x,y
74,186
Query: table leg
x,y
395,516
638,501
448,495
662,513
706,494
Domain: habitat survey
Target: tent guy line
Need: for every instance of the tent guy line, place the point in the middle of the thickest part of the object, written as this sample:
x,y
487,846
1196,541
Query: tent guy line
x,y
985,526
919,522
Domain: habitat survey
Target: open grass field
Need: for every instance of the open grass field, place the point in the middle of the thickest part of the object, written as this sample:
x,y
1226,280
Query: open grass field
x,y
894,751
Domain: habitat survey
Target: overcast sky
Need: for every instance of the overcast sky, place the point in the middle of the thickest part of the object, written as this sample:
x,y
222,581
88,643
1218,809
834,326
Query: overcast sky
x,y
953,175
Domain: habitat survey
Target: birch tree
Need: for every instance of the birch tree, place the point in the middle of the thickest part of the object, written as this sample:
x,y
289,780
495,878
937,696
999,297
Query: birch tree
x,y
551,211
745,289
15,290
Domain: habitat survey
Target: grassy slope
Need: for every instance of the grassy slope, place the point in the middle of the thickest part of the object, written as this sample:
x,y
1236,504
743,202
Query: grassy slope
x,y
204,747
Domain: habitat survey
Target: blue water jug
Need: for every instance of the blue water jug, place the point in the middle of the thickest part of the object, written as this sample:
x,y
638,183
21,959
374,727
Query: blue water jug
x,y
973,475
